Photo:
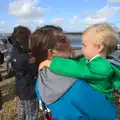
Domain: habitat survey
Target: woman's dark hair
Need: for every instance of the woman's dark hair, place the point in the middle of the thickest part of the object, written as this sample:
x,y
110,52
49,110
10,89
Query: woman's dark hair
x,y
20,34
10,39
51,27
44,39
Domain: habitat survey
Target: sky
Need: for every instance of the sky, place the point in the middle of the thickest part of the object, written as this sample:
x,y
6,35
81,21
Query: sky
x,y
71,15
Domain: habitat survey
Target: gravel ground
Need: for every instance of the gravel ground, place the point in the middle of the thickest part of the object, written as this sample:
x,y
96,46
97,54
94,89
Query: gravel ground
x,y
9,111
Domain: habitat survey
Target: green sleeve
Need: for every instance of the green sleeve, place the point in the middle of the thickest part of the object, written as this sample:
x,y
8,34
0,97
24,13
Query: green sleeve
x,y
79,69
66,67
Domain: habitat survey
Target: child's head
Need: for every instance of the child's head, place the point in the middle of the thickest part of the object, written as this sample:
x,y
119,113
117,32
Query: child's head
x,y
99,39
21,34
47,43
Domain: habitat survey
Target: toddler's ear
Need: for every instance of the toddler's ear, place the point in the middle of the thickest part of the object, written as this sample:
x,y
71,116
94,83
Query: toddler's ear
x,y
100,48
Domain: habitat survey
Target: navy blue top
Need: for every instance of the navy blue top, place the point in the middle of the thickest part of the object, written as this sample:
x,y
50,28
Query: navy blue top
x,y
25,74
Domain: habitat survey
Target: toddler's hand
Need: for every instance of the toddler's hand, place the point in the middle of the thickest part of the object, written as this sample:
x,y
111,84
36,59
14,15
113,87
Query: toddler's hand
x,y
44,64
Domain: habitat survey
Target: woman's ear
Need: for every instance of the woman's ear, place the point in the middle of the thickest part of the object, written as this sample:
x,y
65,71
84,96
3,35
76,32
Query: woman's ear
x,y
50,54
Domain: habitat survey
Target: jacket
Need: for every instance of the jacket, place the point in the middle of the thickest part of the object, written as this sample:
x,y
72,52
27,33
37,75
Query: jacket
x,y
99,73
25,74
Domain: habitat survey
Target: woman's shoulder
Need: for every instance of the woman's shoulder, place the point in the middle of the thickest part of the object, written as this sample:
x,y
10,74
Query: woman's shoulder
x,y
47,74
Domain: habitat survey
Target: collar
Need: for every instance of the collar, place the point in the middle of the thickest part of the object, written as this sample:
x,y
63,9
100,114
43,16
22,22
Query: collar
x,y
92,58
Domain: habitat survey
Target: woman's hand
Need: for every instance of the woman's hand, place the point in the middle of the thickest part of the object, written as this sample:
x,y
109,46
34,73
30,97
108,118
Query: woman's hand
x,y
44,64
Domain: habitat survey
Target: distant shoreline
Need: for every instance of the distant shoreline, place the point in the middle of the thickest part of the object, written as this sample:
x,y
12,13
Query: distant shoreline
x,y
69,33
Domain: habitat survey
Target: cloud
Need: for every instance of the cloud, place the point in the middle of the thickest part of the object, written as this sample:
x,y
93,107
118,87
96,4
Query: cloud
x,y
30,14
27,11
2,23
114,1
63,22
58,20
40,21
74,20
68,25
102,15
28,22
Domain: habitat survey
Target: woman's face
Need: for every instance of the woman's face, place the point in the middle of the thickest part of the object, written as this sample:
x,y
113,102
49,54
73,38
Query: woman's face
x,y
68,52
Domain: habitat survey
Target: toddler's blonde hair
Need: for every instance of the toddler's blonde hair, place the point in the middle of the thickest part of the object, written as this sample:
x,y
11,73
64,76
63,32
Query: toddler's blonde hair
x,y
105,34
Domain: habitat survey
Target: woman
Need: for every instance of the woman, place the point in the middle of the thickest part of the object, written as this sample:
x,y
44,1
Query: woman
x,y
67,98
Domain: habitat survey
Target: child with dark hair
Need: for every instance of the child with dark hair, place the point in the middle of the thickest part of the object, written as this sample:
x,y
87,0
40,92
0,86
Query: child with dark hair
x,y
25,74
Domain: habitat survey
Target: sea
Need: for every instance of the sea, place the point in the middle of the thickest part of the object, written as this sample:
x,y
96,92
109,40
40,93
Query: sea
x,y
75,40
